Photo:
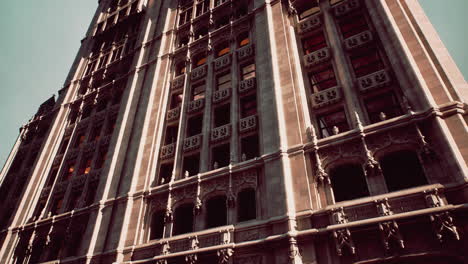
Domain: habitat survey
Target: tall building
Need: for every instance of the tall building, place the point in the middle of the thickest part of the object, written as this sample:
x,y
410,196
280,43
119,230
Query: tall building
x,y
249,132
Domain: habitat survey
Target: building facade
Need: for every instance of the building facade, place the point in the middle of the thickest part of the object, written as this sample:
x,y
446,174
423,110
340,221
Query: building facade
x,y
246,131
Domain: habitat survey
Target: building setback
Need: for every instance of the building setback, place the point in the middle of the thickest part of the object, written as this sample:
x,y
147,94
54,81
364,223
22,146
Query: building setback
x,y
246,132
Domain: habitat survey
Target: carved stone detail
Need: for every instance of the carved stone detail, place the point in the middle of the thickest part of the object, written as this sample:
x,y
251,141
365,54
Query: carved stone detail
x,y
196,105
221,95
168,151
198,72
326,97
247,85
309,24
191,258
442,223
339,216
165,248
383,207
346,7
173,114
374,80
220,133
245,52
224,255
193,142
222,62
390,231
358,40
248,124
178,81
343,240
317,57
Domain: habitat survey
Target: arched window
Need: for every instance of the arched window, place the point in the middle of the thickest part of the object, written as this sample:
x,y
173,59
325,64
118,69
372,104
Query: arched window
x,y
402,170
183,219
243,39
247,205
199,59
216,211
348,182
157,225
223,49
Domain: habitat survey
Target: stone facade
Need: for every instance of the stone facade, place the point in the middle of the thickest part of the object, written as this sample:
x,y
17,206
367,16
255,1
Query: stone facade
x,y
246,131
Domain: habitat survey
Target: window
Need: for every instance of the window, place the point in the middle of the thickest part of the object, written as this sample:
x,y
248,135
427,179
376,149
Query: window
x,y
157,225
165,173
73,116
199,60
91,193
314,43
73,200
248,106
200,32
103,60
198,91
219,2
221,21
222,115
183,40
223,49
85,166
332,123
191,165
247,205
382,106
322,79
183,219
348,182
69,171
223,81
90,67
366,61
216,212
248,71
402,170
194,125
185,16
308,9
221,156
171,134
352,25
202,7
116,53
249,147
176,100
180,68
242,9
243,39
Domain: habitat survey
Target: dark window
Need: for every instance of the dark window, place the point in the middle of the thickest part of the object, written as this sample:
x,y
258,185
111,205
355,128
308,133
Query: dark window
x,y
323,79
223,81
307,9
243,39
195,125
352,25
366,61
56,206
199,59
180,68
171,134
402,170
183,40
329,121
185,16
191,165
202,7
222,21
117,97
183,219
248,71
247,205
157,225
250,147
222,115
200,32
165,173
221,155
85,167
176,100
381,107
73,200
248,106
216,212
198,91
73,116
223,49
314,43
348,182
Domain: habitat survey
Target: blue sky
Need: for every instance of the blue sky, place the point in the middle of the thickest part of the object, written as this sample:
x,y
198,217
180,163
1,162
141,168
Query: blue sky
x,y
40,40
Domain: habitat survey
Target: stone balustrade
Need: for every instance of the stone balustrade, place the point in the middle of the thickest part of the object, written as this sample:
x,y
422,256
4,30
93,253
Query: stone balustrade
x,y
220,133
222,62
358,40
374,80
248,124
326,97
168,151
178,82
345,7
309,24
245,52
247,85
173,114
317,57
196,105
221,95
193,142
198,73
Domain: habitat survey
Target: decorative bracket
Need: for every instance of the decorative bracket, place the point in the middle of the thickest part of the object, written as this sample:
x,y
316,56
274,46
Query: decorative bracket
x,y
442,223
224,255
391,231
343,240
383,207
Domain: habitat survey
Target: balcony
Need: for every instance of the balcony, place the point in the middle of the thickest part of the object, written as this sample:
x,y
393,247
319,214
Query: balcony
x,y
247,85
326,97
309,24
317,57
220,133
196,105
346,7
221,95
358,40
168,151
248,124
198,73
374,80
245,52
222,62
173,114
192,143
178,82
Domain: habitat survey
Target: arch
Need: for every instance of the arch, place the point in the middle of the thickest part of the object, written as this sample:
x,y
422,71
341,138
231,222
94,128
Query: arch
x,y
183,219
246,205
348,182
216,211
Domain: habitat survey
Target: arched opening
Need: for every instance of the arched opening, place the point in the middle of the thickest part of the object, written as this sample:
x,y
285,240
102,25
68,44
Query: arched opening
x,y
157,225
247,205
243,39
216,212
402,170
348,182
199,60
222,49
183,219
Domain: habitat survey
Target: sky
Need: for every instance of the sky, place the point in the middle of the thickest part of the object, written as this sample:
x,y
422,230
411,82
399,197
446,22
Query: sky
x,y
41,38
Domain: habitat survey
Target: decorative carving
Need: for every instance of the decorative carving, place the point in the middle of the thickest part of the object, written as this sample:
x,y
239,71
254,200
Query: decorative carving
x,y
248,124
165,248
168,217
198,72
225,237
346,7
427,153
247,85
193,142
442,224
358,40
220,133
309,24
179,194
221,95
339,216
194,243
178,81
161,261
173,114
433,198
222,62
374,80
294,253
391,231
343,240
191,258
245,52
168,151
383,207
246,179
196,105
224,255
317,57
326,97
